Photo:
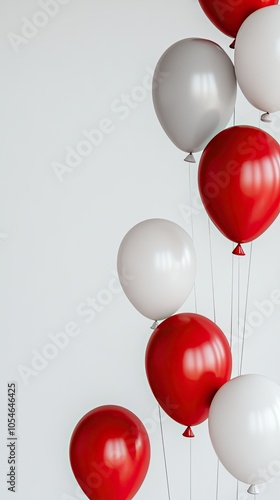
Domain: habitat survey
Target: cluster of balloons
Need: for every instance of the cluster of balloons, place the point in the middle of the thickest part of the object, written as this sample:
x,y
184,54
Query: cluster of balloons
x,y
239,184
255,26
239,168
188,359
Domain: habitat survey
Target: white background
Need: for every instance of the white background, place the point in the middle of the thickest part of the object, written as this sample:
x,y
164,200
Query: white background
x,y
59,240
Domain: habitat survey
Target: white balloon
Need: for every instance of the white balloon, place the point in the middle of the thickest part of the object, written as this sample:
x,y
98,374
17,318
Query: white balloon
x,y
257,58
194,92
157,266
244,427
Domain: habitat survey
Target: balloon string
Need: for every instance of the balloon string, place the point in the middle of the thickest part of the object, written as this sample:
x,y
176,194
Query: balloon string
x,y
164,453
214,318
237,489
231,301
238,313
192,225
212,272
190,441
217,479
246,306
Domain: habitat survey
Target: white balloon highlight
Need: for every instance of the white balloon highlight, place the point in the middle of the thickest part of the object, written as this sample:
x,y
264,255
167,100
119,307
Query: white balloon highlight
x,y
244,427
159,258
257,58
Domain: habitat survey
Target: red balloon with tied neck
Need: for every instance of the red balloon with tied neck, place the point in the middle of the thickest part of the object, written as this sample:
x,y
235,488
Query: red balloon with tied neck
x,y
239,182
188,358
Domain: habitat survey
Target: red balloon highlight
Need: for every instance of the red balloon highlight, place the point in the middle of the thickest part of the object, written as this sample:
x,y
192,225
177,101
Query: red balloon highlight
x,y
110,453
188,359
239,182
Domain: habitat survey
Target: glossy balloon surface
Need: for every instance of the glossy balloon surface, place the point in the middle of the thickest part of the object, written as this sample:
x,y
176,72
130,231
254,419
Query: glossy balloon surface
x,y
244,426
157,267
257,58
239,182
188,359
110,453
228,15
194,92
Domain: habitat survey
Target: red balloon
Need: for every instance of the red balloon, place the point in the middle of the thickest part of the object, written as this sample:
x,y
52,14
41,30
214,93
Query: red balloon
x,y
188,359
110,453
228,15
239,182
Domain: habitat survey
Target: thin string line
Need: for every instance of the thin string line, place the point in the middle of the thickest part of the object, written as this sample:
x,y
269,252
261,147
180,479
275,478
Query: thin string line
x,y
190,440
217,479
212,272
246,306
231,301
214,318
164,453
192,225
238,313
237,489
237,482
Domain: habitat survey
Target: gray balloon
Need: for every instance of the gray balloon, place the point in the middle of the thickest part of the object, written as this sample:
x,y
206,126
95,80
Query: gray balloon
x,y
194,92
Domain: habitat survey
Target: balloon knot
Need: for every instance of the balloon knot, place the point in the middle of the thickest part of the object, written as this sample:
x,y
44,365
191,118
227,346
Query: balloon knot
x,y
265,117
232,45
188,432
254,489
190,158
238,250
154,325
